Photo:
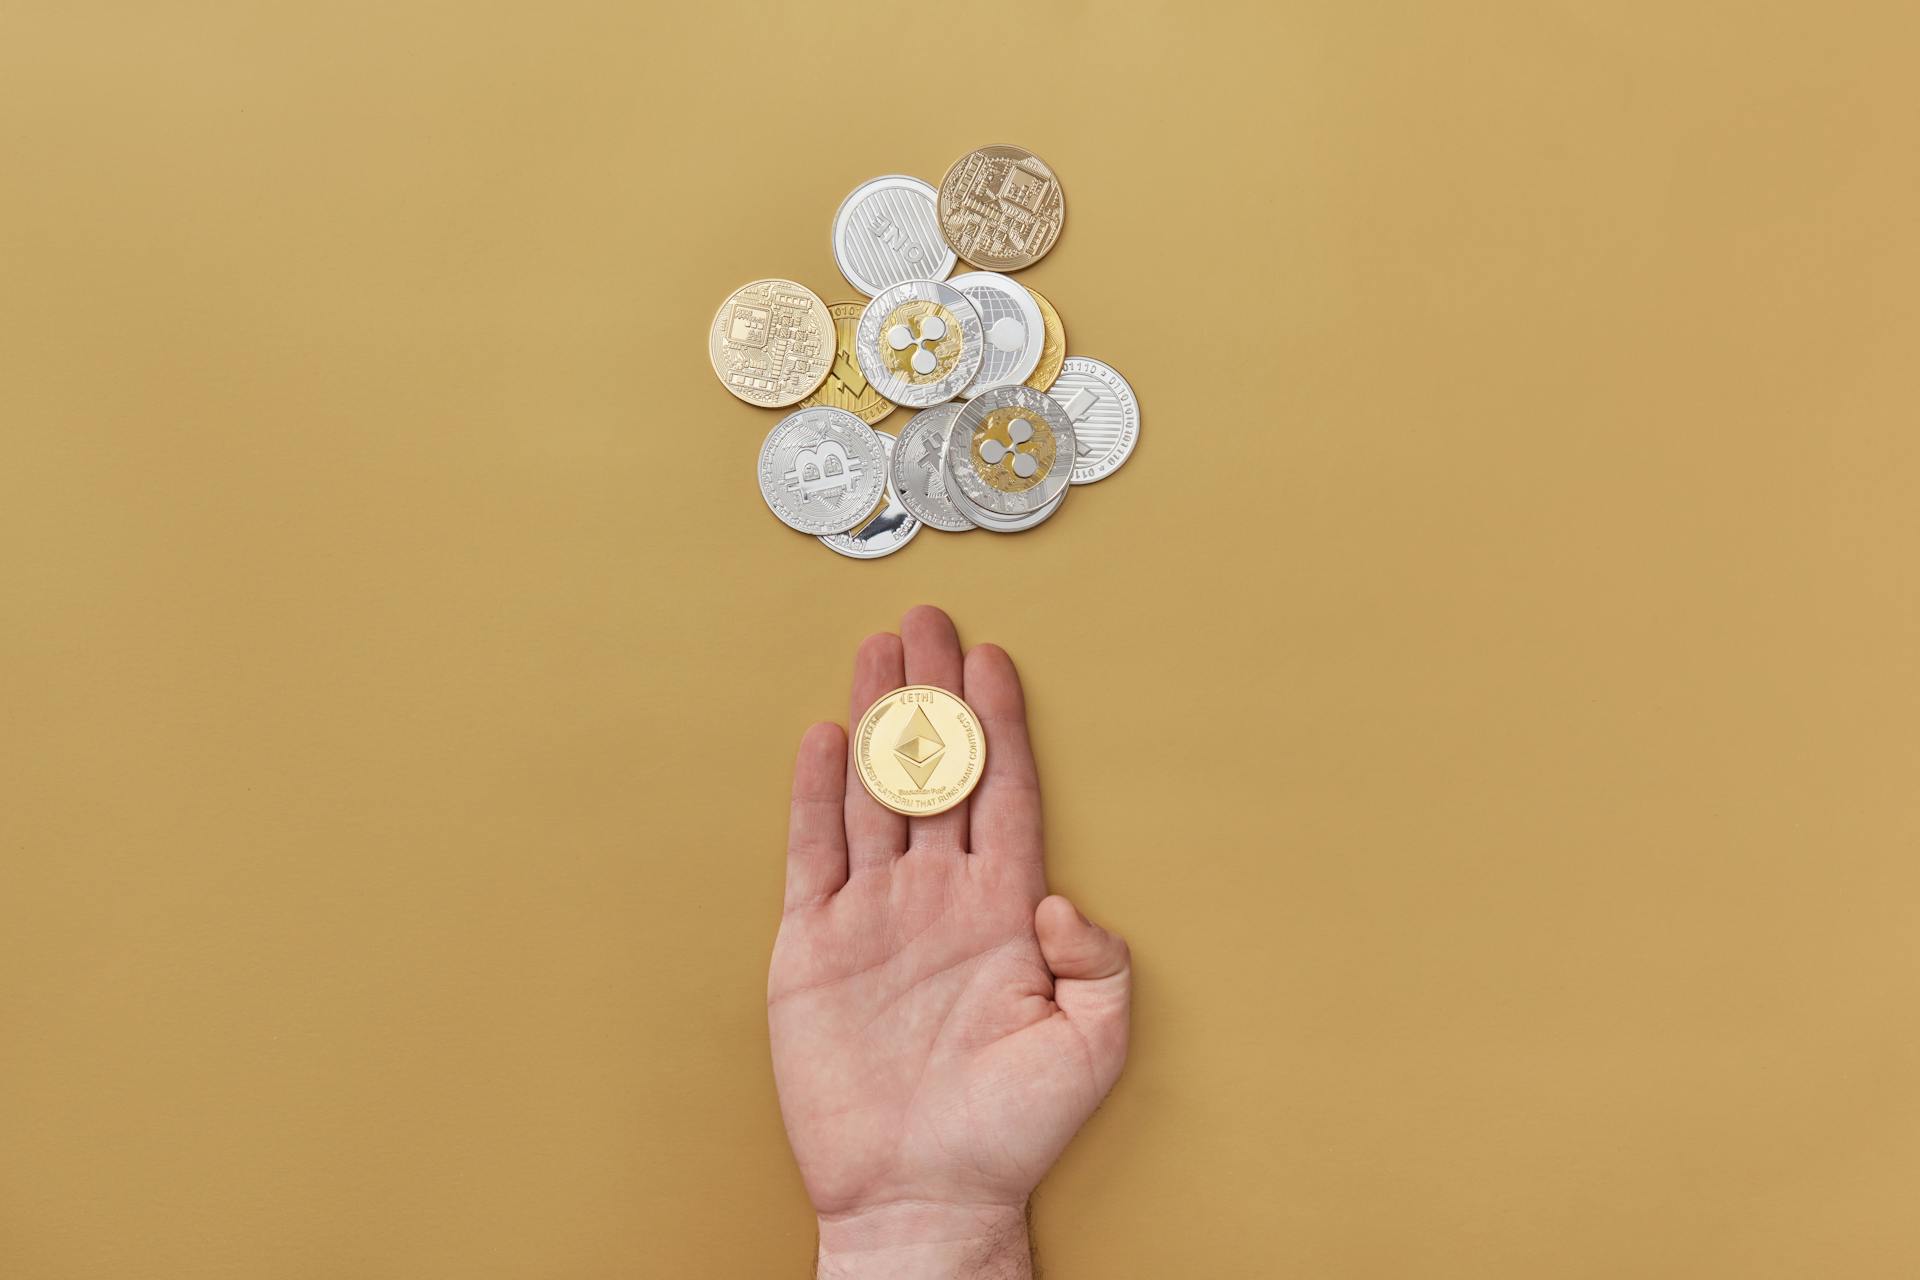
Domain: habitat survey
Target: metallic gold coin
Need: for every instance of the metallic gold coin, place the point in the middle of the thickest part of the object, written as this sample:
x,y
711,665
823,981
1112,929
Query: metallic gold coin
x,y
920,750
772,343
846,387
1053,353
1001,208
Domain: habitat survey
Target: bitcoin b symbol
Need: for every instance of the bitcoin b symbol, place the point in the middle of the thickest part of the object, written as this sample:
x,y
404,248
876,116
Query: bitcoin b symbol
x,y
821,468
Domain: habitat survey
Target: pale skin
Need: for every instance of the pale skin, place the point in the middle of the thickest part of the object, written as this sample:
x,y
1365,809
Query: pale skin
x,y
941,1026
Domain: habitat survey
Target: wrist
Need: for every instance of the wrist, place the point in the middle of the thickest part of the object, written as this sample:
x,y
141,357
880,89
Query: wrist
x,y
926,1240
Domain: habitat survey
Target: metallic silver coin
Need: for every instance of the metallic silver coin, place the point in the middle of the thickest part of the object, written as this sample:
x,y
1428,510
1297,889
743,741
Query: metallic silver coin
x,y
1009,453
822,470
1105,414
886,531
1000,524
1012,330
919,469
887,231
918,343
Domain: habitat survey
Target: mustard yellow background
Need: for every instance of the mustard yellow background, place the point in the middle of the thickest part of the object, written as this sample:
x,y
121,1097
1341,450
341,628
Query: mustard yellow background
x,y
1487,700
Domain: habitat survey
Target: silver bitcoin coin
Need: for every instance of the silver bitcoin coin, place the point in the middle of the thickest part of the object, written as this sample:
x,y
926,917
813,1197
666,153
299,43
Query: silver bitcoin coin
x,y
1009,454
918,467
1105,415
1012,330
888,230
886,530
918,343
822,470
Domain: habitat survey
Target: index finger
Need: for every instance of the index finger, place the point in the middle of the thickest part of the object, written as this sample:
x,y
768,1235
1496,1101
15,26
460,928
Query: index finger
x,y
1005,808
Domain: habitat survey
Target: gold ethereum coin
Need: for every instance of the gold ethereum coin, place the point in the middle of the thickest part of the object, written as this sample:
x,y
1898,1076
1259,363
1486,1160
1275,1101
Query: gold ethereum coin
x,y
1001,208
919,750
846,387
771,343
1053,344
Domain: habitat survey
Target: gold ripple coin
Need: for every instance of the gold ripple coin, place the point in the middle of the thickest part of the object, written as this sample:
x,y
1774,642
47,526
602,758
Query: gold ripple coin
x,y
772,343
1053,349
919,750
1001,208
846,387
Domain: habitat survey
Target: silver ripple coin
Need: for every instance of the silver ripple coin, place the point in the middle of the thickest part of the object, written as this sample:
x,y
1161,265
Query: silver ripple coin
x,y
918,343
822,470
1105,415
1011,329
918,467
1009,455
888,230
885,531
1019,524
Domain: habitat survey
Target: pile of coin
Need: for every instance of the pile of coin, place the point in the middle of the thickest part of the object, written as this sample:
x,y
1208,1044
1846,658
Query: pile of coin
x,y
1008,422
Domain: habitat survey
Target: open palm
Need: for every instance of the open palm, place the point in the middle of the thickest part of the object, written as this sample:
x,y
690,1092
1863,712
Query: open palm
x,y
941,1027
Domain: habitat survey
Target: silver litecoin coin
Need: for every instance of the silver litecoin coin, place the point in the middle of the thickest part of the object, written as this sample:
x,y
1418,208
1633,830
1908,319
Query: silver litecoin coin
x,y
1105,415
886,531
887,231
918,343
1009,458
1012,330
822,470
919,469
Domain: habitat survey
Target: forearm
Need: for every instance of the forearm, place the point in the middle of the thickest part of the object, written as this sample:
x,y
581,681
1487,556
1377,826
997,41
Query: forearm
x,y
915,1240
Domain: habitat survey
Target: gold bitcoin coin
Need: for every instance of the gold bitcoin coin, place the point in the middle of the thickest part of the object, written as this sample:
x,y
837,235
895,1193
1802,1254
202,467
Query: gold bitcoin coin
x,y
919,750
846,387
1001,208
772,343
1053,350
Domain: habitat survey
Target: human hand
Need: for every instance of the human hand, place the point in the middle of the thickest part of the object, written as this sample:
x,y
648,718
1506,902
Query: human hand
x,y
941,1027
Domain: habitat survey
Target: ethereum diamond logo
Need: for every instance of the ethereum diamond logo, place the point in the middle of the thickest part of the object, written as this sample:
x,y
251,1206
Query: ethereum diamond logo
x,y
919,748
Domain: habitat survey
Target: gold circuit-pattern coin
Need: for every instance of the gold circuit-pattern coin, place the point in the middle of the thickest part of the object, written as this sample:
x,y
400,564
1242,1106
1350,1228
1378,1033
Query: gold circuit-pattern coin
x,y
1053,352
920,750
1001,208
772,343
846,387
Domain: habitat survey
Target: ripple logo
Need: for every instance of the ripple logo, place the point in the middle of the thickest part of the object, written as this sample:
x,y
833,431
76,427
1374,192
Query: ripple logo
x,y
1024,464
932,329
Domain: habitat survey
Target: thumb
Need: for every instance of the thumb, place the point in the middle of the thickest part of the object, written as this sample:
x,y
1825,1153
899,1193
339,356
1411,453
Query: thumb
x,y
1093,977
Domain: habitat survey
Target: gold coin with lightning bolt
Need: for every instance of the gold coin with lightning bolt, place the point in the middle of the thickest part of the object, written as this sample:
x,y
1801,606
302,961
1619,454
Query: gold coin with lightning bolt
x,y
919,750
1053,350
846,387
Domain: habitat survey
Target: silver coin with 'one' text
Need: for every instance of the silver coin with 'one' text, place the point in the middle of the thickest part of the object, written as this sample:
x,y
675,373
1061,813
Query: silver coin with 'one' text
x,y
887,231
